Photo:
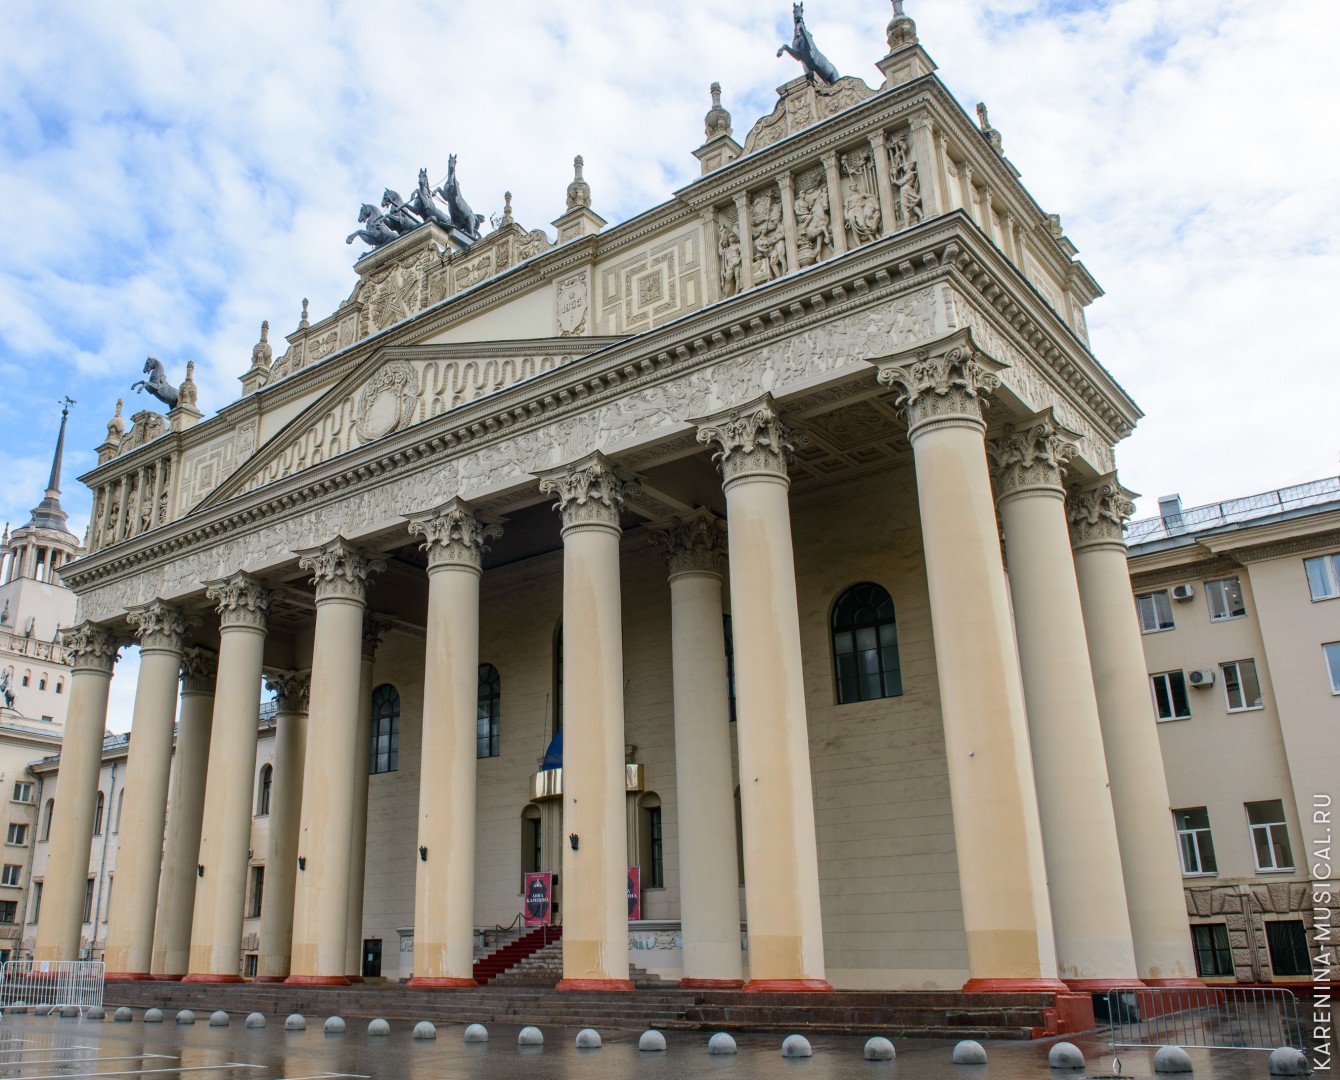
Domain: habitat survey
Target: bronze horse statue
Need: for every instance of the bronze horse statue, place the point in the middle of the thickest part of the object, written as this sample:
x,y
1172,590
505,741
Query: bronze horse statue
x,y
802,48
157,383
376,231
462,216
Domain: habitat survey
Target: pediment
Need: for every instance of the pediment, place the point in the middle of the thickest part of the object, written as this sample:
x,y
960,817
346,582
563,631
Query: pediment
x,y
393,389
803,102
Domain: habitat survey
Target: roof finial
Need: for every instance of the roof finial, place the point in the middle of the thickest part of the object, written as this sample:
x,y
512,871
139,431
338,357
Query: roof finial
x,y
507,218
579,191
116,427
717,120
304,324
901,30
48,513
261,353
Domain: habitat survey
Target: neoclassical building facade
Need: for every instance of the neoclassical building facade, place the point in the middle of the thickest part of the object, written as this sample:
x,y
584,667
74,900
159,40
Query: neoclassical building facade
x,y
769,541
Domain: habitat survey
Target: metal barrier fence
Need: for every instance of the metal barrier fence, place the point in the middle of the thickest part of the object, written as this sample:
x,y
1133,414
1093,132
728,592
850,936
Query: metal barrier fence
x,y
51,984
1231,1018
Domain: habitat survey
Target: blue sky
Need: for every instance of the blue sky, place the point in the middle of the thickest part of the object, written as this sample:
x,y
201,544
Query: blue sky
x,y
174,174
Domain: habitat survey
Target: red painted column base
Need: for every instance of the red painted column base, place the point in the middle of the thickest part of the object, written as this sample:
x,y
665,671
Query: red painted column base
x,y
127,976
354,978
1015,986
269,978
209,977
429,982
168,978
594,984
711,984
1102,986
317,980
788,986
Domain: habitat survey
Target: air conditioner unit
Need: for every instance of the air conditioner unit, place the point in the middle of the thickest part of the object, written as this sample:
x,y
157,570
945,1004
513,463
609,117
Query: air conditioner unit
x,y
1183,591
1202,678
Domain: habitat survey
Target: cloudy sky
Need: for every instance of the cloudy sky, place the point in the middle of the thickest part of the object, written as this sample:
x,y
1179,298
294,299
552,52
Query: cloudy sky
x,y
174,174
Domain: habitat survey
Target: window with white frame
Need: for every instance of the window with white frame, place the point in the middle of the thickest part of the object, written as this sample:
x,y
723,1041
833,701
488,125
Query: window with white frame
x,y
1242,689
1225,599
23,791
1270,837
1332,654
1194,842
1170,700
11,874
1323,576
18,834
1155,611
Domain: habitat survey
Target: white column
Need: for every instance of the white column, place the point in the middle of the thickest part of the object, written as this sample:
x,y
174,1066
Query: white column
x,y
781,861
997,832
373,632
186,812
161,630
595,911
444,894
291,689
220,891
321,896
709,892
92,653
1079,832
1149,861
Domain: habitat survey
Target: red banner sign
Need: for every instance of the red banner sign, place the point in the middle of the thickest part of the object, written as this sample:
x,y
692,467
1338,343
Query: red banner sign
x,y
539,892
634,893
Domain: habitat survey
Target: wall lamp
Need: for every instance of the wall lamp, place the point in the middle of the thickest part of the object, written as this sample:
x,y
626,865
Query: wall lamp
x,y
302,862
423,853
199,869
572,839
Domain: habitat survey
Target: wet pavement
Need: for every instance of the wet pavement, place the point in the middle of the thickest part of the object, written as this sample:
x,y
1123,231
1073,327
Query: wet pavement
x,y
46,1048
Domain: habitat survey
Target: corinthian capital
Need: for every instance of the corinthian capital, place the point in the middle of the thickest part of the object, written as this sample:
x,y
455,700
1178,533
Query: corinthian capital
x,y
290,688
89,647
752,441
946,382
160,627
374,629
454,534
199,667
695,543
339,570
241,600
1031,456
1098,512
588,492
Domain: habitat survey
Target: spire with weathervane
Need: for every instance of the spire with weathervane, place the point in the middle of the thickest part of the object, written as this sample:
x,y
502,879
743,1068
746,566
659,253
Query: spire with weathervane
x,y
48,513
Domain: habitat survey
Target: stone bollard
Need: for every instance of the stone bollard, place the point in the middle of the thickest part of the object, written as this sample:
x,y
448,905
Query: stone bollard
x,y
295,1022
255,1020
796,1046
1286,1061
530,1036
218,1018
878,1049
69,1012
424,1030
153,1016
476,1033
1172,1059
651,1041
969,1052
378,1027
96,1012
1065,1055
588,1039
123,1015
334,1025
721,1043
185,1016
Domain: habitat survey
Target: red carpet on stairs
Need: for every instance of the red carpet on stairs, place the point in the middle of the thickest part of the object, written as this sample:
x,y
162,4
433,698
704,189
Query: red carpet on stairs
x,y
493,965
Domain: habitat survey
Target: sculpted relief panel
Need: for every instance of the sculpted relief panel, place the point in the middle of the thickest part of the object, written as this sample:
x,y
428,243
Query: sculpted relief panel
x,y
659,283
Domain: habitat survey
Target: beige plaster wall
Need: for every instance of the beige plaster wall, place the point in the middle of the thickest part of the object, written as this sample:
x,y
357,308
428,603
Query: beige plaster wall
x,y
530,315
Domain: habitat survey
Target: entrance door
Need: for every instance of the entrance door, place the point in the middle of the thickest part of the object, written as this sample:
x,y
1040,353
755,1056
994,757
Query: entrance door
x,y
372,958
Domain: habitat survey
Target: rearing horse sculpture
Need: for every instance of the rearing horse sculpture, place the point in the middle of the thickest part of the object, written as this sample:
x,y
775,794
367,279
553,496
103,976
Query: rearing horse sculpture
x,y
802,48
157,383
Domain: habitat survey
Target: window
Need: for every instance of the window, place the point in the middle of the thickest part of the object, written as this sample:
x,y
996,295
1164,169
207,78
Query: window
x,y
1225,599
97,815
47,815
9,911
489,713
257,891
42,683
37,900
11,874
1194,841
1155,611
23,791
651,845
88,901
385,756
1270,839
249,965
865,645
120,803
531,833
26,680
18,834
1331,653
1170,699
558,679
107,907
60,686
1287,942
728,630
1242,688
263,792
1213,956
1323,576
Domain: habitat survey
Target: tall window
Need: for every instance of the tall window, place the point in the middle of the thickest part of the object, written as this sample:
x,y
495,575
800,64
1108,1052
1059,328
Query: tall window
x,y
97,815
1270,838
1331,653
865,645
263,790
728,629
1194,841
23,791
532,854
9,911
1287,942
1155,611
1242,688
1213,956
1170,698
257,891
17,835
651,847
1323,576
1225,599
558,679
385,751
47,812
88,901
37,900
489,713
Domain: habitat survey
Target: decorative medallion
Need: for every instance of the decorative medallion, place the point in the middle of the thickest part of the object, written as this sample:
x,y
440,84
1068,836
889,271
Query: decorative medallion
x,y
387,401
572,305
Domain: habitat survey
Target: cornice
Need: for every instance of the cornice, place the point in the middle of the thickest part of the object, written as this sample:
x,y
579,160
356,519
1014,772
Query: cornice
x,y
1198,569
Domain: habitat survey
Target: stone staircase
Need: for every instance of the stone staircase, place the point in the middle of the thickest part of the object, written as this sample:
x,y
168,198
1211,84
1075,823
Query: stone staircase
x,y
544,968
516,953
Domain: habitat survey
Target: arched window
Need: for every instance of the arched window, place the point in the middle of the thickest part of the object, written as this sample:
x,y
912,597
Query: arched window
x,y
42,681
650,841
865,645
263,792
48,811
97,815
728,629
60,685
385,750
490,711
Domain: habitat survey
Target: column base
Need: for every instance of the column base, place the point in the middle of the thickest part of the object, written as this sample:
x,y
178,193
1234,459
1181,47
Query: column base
x,y
269,978
788,986
1102,986
1016,986
594,984
1184,984
711,984
127,976
429,982
167,978
210,977
317,980
354,978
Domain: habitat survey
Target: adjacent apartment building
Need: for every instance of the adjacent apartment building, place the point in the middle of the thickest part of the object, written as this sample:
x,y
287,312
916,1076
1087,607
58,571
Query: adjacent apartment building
x,y
1239,604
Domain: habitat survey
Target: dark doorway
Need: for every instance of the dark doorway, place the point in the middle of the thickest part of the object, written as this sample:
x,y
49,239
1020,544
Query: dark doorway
x,y
372,958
